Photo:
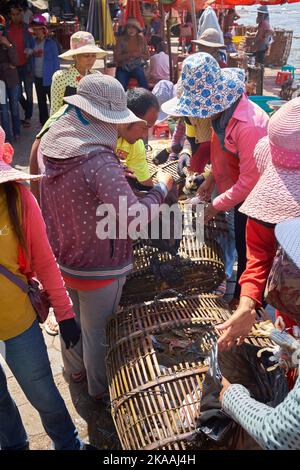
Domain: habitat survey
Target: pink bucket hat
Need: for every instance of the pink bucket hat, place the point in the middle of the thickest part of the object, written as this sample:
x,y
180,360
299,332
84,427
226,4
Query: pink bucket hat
x,y
7,172
276,196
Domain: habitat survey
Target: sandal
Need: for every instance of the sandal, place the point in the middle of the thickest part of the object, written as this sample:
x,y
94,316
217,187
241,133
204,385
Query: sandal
x,y
220,290
51,326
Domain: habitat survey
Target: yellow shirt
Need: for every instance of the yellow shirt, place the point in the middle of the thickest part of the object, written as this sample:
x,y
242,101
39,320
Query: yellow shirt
x,y
134,156
16,311
200,129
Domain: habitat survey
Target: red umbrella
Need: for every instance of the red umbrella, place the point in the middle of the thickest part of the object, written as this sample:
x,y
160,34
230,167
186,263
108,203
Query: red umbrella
x,y
133,10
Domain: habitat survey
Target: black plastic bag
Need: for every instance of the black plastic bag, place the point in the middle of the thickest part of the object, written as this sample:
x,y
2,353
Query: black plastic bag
x,y
215,429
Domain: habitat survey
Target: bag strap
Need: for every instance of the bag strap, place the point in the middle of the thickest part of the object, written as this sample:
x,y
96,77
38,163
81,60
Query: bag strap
x,y
13,278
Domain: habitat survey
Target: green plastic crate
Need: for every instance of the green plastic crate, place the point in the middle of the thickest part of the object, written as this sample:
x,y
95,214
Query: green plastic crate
x,y
261,101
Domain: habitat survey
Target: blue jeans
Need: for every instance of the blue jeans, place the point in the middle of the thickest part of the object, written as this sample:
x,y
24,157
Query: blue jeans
x,y
13,95
5,122
138,73
26,78
26,356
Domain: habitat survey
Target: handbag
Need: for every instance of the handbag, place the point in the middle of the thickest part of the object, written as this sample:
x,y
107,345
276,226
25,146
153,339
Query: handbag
x,y
38,296
283,290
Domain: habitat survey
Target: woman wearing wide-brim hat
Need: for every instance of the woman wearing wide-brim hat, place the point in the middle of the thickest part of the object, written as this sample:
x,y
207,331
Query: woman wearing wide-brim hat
x,y
274,428
211,42
131,54
83,52
275,198
83,180
25,252
218,94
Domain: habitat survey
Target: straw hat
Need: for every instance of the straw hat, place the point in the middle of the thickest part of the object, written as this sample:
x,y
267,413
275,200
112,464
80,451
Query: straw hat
x,y
206,88
40,4
288,236
133,22
210,38
276,196
262,9
104,98
7,172
82,42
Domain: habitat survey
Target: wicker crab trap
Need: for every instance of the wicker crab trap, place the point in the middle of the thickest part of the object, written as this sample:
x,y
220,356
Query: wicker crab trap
x,y
156,366
196,268
169,166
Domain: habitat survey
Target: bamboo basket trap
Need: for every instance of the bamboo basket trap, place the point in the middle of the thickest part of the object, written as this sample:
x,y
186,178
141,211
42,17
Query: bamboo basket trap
x,y
169,166
155,365
197,268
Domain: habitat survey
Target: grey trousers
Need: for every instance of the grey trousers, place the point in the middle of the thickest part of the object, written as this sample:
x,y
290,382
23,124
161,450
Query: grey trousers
x,y
92,309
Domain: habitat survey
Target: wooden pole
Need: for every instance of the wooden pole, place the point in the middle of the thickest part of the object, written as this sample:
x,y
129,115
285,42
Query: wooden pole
x,y
169,47
194,19
163,20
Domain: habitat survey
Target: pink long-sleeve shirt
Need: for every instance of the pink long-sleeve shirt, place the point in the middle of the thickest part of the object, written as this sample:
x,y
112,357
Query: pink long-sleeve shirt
x,y
237,174
40,260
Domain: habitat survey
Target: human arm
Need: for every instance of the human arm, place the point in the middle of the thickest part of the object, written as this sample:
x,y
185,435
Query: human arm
x,y
245,142
11,55
58,88
43,263
273,428
34,169
111,187
261,249
144,49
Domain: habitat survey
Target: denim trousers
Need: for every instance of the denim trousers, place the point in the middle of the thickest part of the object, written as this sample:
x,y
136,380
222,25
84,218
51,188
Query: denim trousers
x,y
26,79
138,73
26,356
5,121
13,98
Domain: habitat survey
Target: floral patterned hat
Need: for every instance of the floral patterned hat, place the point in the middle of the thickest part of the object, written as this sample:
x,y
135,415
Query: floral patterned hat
x,y
82,42
206,88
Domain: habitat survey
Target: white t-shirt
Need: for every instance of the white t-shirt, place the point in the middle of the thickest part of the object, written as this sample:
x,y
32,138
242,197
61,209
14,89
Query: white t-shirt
x,y
160,67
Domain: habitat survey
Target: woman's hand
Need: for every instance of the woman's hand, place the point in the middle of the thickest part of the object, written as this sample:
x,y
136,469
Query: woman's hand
x,y
206,188
225,385
238,326
5,41
209,213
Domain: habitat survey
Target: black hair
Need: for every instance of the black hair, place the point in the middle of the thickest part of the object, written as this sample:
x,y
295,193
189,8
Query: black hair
x,y
140,100
160,47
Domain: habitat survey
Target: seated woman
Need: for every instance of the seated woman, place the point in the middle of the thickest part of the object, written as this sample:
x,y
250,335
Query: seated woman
x,y
131,52
159,64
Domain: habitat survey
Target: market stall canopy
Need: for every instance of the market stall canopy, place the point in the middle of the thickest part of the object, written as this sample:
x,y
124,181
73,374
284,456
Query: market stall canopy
x,y
133,10
254,2
99,23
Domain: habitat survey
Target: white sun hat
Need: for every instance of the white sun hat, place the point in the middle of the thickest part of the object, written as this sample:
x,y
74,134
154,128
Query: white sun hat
x,y
82,42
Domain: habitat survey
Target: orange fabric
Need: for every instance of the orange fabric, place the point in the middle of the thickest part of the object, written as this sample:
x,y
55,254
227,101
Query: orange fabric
x,y
86,284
